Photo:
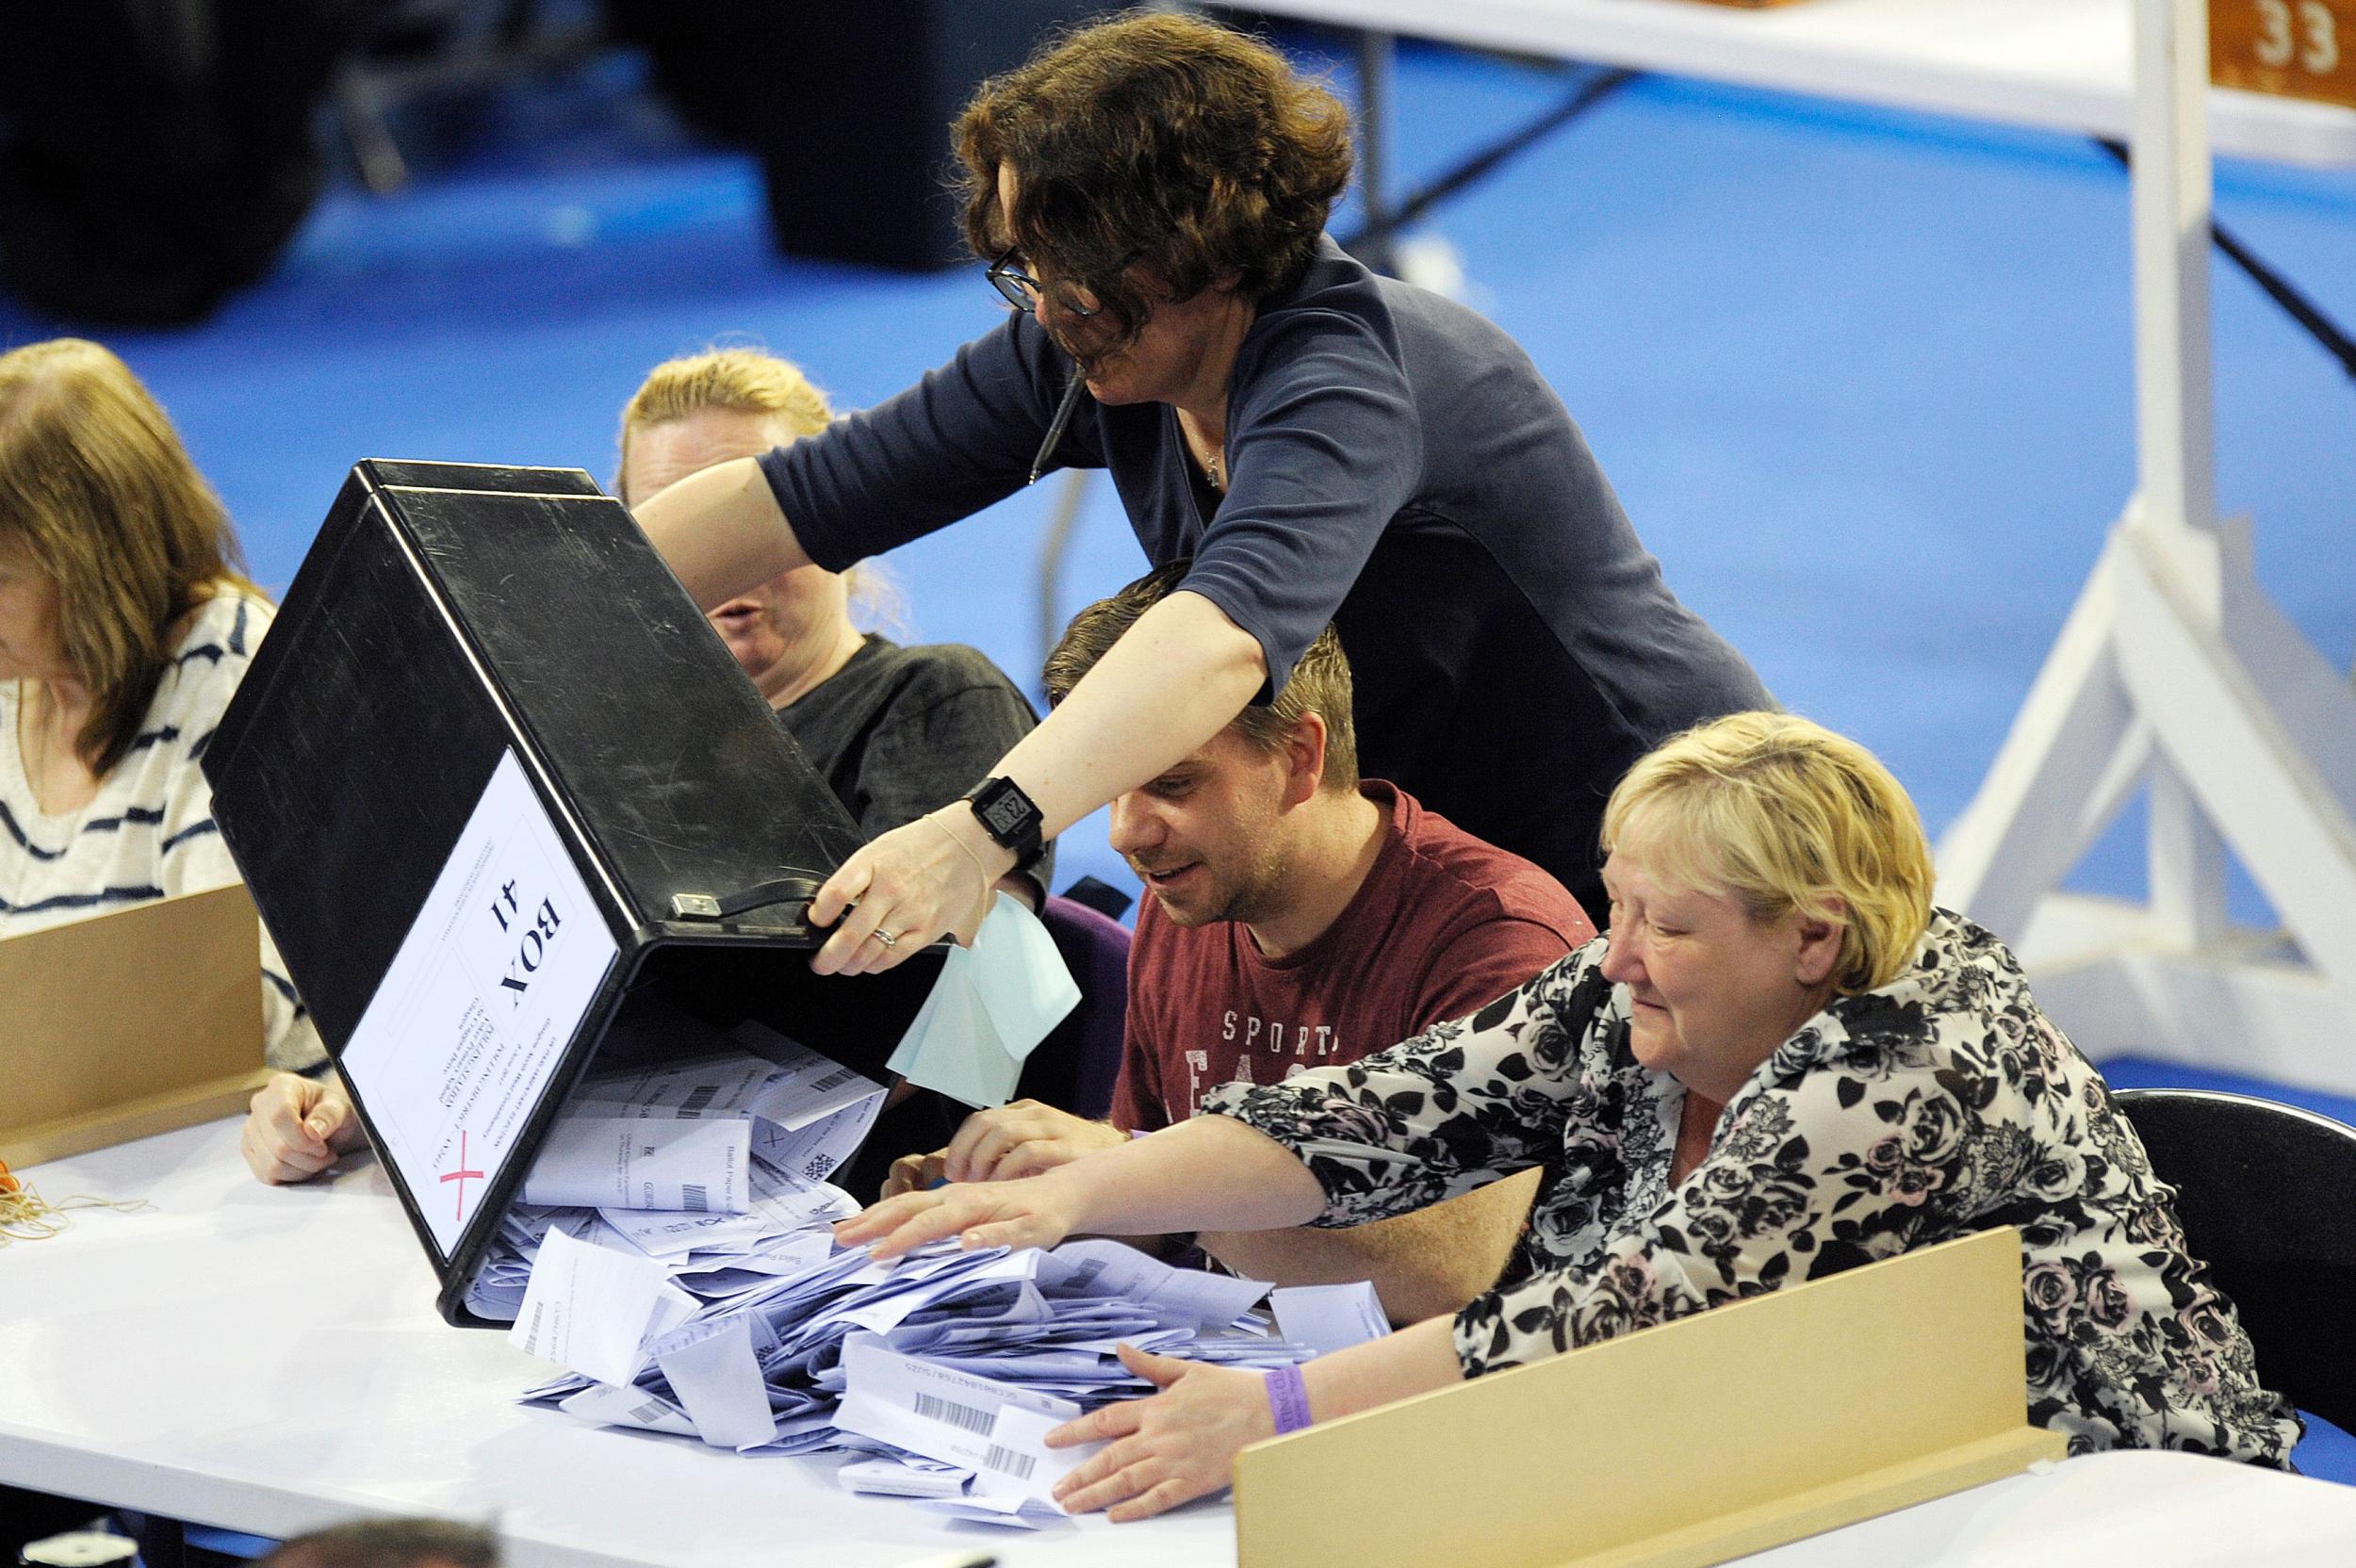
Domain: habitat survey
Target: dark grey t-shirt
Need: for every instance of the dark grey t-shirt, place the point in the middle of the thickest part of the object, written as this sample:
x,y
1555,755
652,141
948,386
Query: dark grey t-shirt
x,y
896,733
1396,466
900,731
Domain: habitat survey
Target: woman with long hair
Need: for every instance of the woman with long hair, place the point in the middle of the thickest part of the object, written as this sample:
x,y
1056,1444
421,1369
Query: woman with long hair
x,y
126,623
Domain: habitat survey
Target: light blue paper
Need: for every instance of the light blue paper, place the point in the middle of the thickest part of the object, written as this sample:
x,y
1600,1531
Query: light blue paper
x,y
993,1004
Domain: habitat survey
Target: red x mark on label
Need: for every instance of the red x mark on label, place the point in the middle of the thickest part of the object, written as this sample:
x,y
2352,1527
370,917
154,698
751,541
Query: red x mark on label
x,y
460,1174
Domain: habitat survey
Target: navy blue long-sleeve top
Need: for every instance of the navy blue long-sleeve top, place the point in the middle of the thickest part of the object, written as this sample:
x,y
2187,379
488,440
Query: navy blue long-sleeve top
x,y
1396,466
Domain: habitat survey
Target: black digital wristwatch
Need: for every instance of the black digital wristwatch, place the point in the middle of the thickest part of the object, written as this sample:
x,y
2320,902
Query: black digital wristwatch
x,y
1008,816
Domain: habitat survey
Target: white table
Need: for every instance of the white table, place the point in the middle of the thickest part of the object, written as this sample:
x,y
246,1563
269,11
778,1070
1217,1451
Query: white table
x,y
2058,64
2110,1510
270,1360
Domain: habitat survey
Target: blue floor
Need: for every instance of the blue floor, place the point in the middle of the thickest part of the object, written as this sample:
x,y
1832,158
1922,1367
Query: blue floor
x,y
1863,379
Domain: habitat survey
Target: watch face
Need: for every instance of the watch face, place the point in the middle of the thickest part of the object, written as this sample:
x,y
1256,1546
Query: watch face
x,y
1007,815
1003,812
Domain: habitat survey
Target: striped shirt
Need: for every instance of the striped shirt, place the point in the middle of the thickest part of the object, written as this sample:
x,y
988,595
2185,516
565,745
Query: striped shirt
x,y
149,831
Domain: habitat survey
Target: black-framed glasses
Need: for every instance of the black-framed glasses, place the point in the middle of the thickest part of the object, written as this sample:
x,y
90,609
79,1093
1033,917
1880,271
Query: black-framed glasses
x,y
1022,290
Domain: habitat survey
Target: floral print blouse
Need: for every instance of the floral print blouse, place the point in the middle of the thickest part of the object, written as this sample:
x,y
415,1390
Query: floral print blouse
x,y
1943,1103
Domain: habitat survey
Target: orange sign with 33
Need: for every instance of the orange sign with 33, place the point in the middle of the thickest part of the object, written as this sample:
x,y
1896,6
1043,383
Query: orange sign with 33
x,y
2295,48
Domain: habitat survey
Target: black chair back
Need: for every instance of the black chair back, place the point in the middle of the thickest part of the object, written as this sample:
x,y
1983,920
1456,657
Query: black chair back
x,y
2267,1194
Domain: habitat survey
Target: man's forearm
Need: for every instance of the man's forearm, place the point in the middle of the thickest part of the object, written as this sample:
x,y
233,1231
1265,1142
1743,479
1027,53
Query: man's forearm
x,y
1423,1265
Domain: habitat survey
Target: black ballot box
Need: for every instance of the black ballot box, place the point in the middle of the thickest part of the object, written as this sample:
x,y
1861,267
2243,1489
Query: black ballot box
x,y
494,783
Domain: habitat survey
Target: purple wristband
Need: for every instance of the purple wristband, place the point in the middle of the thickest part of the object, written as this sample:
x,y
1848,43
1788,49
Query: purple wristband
x,y
1288,1397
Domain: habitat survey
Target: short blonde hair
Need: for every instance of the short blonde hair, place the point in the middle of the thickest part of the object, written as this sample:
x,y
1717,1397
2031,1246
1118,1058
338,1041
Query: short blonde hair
x,y
97,489
754,382
740,381
1784,814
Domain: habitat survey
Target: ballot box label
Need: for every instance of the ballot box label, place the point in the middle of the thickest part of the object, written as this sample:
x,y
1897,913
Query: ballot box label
x,y
473,1017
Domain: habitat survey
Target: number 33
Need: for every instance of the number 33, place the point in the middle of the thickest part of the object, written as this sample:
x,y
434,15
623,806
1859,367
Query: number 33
x,y
2278,45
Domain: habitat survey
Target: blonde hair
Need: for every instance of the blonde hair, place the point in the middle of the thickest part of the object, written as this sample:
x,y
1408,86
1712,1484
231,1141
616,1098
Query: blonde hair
x,y
1784,814
742,381
97,489
757,383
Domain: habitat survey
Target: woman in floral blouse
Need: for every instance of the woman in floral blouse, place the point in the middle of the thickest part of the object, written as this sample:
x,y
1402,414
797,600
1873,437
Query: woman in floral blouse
x,y
1780,1063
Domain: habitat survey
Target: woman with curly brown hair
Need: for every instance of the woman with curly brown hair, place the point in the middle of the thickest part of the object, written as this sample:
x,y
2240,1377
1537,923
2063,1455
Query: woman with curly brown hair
x,y
1151,194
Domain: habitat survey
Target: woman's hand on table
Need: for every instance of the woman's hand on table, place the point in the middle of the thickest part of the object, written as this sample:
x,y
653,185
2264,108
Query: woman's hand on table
x,y
297,1127
1040,1211
1168,1448
933,877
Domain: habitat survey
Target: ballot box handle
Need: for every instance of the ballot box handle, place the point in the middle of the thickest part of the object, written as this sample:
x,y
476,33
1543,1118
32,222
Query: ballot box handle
x,y
761,895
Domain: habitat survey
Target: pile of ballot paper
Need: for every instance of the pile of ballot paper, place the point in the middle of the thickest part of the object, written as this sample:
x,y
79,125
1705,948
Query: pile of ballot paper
x,y
711,1167
673,1253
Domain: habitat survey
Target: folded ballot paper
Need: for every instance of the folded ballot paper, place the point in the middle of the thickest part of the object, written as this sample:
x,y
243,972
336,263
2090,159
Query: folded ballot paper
x,y
942,1372
1328,1318
992,1003
710,1170
673,1255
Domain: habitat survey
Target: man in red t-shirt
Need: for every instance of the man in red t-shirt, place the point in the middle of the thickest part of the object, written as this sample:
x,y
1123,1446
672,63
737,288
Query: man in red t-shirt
x,y
1298,917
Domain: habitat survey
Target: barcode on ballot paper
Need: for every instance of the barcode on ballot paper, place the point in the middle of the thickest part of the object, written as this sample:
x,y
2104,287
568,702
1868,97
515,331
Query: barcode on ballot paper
x,y
1006,1461
965,1416
696,1101
834,1080
694,1199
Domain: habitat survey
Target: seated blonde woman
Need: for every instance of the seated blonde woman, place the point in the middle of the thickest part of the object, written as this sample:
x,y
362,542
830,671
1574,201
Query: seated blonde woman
x,y
1781,1062
896,731
124,627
